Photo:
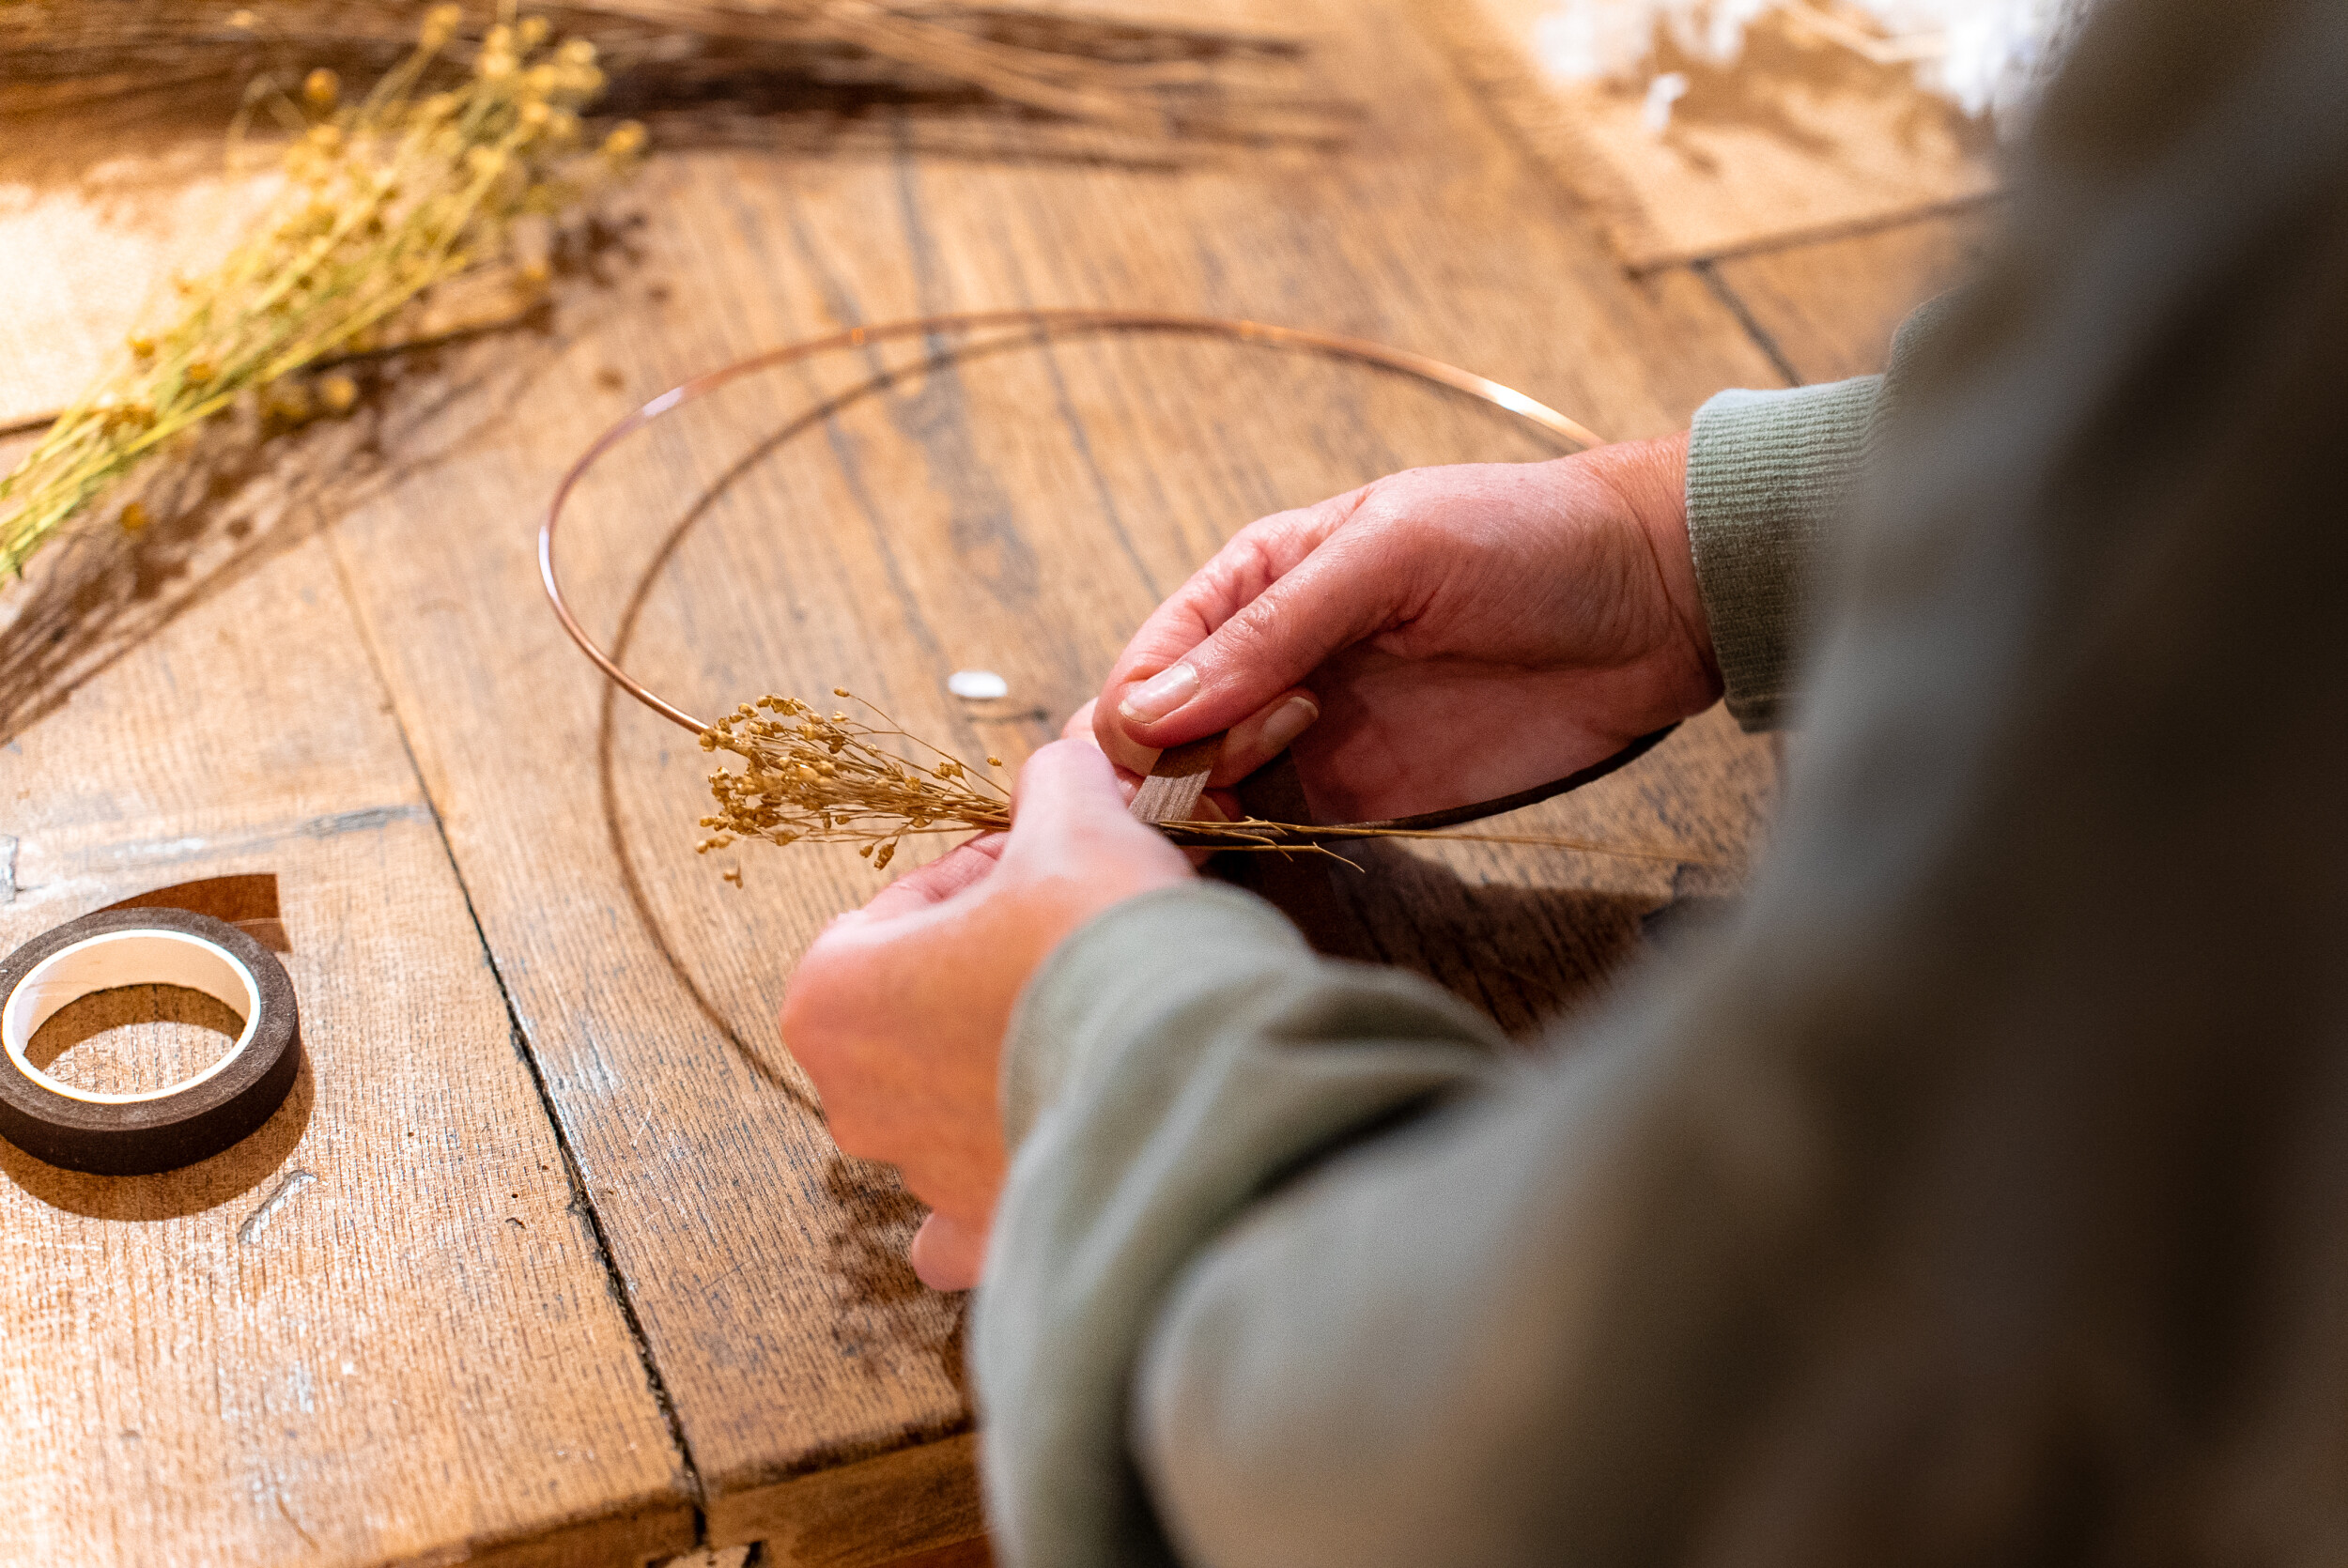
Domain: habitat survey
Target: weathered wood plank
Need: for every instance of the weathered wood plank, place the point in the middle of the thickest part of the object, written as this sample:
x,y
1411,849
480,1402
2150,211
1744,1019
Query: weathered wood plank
x,y
1828,310
380,1329
1019,512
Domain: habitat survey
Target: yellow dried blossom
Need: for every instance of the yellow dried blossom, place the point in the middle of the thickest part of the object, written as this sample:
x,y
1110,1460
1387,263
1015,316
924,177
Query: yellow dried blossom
x,y
440,26
841,780
388,193
287,402
837,780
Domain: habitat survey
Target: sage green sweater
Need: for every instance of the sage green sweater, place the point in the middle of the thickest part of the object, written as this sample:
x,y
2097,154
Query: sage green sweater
x,y
1977,1196
1161,1302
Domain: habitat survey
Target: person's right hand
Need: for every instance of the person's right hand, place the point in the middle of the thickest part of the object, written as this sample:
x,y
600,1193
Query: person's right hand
x,y
1438,637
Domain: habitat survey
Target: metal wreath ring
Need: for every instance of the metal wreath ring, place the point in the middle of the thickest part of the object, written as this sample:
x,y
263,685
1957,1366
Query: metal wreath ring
x,y
1046,323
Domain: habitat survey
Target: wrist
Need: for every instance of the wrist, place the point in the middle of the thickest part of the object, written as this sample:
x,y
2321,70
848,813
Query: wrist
x,y
1651,479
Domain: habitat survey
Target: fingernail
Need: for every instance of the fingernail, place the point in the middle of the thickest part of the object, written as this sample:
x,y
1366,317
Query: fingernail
x,y
1290,720
1160,695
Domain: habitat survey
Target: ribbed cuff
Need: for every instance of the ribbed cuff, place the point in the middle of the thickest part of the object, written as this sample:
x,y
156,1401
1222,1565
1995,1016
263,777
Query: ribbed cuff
x,y
1768,475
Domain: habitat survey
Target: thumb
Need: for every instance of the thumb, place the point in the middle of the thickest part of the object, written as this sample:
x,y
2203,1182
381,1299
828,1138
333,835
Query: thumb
x,y
948,1254
1068,815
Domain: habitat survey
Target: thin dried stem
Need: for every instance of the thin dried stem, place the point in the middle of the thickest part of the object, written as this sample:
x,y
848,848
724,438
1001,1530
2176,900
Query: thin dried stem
x,y
833,778
383,200
1137,77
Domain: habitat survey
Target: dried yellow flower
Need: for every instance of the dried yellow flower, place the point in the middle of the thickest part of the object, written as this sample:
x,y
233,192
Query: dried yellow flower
x,y
837,780
440,26
287,402
840,780
388,194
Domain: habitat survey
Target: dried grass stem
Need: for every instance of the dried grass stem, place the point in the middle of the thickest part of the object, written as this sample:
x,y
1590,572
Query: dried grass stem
x,y
834,779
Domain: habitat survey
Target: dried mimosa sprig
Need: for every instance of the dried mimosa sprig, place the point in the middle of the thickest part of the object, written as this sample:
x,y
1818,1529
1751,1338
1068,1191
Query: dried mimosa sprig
x,y
833,778
384,198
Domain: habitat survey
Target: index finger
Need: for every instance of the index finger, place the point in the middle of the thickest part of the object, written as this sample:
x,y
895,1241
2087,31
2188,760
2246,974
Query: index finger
x,y
1239,574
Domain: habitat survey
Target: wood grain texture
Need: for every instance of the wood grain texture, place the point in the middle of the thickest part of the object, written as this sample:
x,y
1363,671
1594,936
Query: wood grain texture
x,y
1796,138
378,1330
1019,511
1828,310
869,1515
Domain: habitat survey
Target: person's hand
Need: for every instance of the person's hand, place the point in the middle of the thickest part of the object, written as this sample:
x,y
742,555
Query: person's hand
x,y
1438,637
898,1010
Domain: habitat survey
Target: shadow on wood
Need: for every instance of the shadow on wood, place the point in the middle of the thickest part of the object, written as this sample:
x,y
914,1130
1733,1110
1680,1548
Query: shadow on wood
x,y
169,1194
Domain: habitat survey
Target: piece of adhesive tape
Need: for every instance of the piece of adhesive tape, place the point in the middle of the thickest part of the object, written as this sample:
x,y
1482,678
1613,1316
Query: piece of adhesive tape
x,y
161,1129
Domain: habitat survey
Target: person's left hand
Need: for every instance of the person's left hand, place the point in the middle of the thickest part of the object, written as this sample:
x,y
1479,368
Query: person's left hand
x,y
898,1010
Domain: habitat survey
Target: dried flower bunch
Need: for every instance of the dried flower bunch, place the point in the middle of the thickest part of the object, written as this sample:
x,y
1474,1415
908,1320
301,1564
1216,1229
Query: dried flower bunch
x,y
833,778
384,198
1151,77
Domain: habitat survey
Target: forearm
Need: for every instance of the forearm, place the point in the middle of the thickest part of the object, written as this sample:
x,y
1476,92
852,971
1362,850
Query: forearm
x,y
1176,1058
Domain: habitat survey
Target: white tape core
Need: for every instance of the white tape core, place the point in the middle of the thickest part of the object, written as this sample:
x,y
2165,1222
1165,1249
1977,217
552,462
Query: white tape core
x,y
133,958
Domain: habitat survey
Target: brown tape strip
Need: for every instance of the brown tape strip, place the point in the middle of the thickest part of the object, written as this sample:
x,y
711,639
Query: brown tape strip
x,y
1170,793
248,903
134,1137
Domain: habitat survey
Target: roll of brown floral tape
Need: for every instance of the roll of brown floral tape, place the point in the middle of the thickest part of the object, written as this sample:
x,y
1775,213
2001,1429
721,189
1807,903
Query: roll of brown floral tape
x,y
134,1134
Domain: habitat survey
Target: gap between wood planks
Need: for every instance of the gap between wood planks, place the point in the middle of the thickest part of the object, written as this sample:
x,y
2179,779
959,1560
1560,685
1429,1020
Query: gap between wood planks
x,y
1708,270
581,1200
1970,212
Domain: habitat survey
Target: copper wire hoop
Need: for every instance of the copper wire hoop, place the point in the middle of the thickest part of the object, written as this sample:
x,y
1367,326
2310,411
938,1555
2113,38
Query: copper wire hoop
x,y
1047,323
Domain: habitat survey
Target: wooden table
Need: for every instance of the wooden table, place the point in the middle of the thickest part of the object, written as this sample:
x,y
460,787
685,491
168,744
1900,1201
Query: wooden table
x,y
549,1259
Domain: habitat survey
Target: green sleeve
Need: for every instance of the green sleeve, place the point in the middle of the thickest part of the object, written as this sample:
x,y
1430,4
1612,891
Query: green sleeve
x,y
1174,1060
1768,473
1770,476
